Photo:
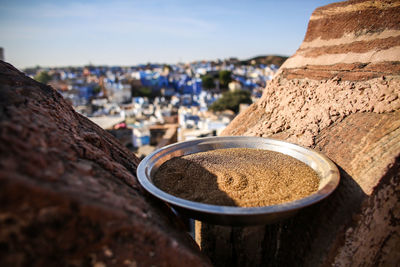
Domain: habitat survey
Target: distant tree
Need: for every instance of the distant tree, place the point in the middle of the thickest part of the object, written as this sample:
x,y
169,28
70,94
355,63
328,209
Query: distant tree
x,y
146,92
225,77
43,77
208,82
231,100
96,89
143,92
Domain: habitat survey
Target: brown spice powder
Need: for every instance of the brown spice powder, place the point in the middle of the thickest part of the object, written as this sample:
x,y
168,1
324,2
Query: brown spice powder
x,y
241,177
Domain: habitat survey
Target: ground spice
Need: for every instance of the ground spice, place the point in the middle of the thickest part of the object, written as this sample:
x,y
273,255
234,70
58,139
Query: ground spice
x,y
241,177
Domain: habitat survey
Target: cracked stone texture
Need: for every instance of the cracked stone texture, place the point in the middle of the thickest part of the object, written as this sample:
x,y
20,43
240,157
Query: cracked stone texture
x,y
68,191
338,94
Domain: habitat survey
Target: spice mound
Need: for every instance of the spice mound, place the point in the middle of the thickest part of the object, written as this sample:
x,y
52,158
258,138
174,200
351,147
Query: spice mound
x,y
242,177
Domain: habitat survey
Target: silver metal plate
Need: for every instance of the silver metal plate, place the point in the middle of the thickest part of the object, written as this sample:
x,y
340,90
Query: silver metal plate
x,y
228,215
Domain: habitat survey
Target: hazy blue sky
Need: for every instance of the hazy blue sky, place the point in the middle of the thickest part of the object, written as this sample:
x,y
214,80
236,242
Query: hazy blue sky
x,y
61,33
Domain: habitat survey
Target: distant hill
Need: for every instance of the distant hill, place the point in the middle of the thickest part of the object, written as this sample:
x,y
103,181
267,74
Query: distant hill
x,y
266,60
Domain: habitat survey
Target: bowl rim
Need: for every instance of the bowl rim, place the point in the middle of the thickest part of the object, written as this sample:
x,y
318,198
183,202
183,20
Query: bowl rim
x,y
326,190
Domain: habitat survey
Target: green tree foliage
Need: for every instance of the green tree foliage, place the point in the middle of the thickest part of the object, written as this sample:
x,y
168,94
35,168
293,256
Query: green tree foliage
x,y
208,82
43,77
96,89
225,77
231,100
143,92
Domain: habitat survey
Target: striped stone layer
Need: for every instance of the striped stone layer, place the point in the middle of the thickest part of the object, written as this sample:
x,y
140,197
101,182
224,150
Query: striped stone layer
x,y
353,40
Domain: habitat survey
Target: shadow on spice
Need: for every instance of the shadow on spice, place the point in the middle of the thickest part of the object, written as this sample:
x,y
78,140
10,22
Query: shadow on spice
x,y
201,187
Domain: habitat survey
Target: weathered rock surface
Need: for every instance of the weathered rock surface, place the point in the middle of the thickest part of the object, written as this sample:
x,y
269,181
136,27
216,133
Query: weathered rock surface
x,y
68,191
339,94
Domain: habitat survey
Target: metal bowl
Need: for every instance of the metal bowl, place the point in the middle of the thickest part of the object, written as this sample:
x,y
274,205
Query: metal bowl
x,y
228,215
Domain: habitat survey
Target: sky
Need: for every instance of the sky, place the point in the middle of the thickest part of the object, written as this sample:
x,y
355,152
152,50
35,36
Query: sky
x,y
122,32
